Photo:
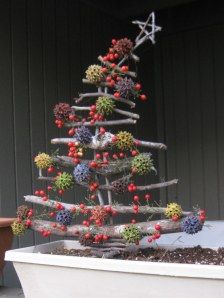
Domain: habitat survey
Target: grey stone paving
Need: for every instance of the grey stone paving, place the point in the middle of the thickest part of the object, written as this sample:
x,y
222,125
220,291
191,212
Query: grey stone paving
x,y
11,292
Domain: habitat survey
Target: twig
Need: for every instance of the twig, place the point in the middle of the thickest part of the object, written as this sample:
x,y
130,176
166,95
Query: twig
x,y
102,123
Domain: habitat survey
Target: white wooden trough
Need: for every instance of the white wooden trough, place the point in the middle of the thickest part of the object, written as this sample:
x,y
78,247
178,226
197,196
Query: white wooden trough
x,y
43,275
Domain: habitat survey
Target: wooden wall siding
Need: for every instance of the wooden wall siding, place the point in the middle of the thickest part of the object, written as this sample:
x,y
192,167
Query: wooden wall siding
x,y
45,47
189,92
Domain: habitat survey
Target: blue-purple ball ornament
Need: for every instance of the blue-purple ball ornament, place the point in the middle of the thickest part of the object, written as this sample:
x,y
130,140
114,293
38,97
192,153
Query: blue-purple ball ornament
x,y
191,224
64,217
82,173
83,135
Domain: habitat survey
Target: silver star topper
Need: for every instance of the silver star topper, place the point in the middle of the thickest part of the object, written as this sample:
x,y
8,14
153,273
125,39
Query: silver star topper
x,y
145,33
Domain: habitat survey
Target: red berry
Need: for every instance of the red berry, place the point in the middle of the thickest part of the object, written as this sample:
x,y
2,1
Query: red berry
x,y
81,206
42,193
108,209
114,139
105,237
93,197
98,156
51,214
61,191
156,235
148,197
106,154
117,94
202,217
37,193
45,198
133,221
102,130
138,87
116,55
87,235
71,132
50,169
113,41
150,239
93,108
28,222
124,68
115,156
158,227
104,69
49,188
143,97
175,218
121,155
108,79
93,164
136,198
134,152
71,117
112,65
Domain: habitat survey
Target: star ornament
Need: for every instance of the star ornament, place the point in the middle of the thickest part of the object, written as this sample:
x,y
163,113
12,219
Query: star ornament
x,y
148,29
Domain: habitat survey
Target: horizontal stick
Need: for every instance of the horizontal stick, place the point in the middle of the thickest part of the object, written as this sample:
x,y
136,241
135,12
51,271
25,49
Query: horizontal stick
x,y
129,73
118,208
97,94
102,123
157,185
151,144
115,231
118,111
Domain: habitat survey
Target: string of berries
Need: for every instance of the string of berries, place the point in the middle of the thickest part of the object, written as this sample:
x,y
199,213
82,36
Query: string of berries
x,y
64,181
142,164
43,161
131,234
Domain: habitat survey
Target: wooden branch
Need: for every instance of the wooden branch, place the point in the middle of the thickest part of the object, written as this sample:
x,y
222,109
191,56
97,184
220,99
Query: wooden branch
x,y
115,231
97,94
157,185
118,111
118,208
129,73
102,123
150,144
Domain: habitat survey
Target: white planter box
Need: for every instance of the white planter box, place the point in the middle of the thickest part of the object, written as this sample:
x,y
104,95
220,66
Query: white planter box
x,y
47,276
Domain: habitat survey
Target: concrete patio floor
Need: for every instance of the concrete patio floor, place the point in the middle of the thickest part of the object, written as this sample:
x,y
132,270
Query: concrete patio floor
x,y
11,292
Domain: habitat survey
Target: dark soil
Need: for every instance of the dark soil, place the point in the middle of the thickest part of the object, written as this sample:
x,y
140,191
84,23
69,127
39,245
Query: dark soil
x,y
195,255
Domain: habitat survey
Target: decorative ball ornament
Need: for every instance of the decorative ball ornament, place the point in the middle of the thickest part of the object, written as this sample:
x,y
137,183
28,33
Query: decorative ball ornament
x,y
64,181
191,224
82,173
94,73
18,228
125,87
22,211
173,209
120,185
62,111
131,234
124,140
99,214
83,135
105,105
123,47
43,161
64,217
142,164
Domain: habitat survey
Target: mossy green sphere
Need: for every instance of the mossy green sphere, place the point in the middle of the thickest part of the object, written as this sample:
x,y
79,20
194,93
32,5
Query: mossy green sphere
x,y
125,140
43,161
131,234
64,181
142,164
94,73
173,209
105,105
18,228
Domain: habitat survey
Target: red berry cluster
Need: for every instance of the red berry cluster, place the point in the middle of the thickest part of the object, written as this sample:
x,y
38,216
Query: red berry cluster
x,y
75,150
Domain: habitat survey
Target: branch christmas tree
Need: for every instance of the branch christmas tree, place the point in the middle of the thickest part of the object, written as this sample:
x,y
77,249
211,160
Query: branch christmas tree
x,y
114,154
